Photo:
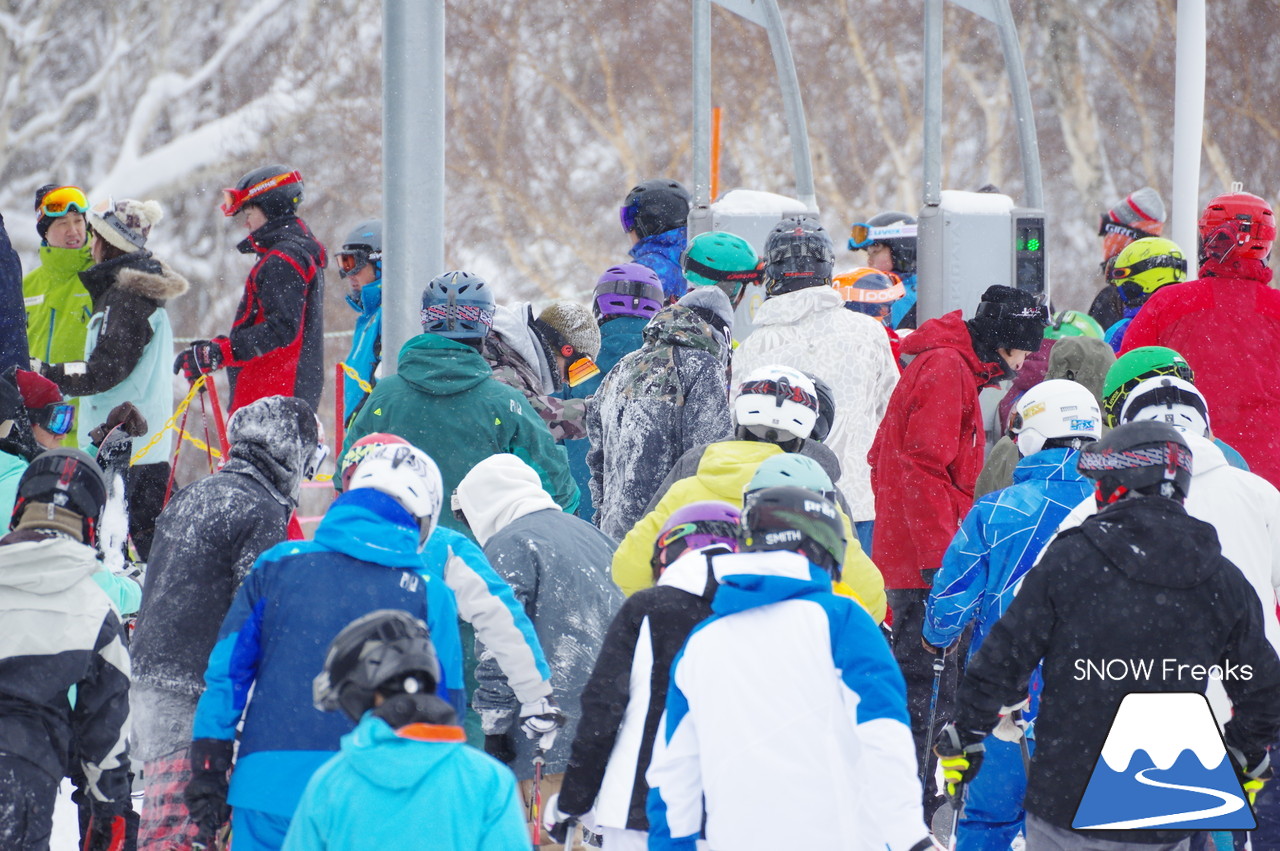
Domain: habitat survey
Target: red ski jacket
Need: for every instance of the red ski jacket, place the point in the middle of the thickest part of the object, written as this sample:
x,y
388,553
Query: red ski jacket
x,y
928,451
1228,329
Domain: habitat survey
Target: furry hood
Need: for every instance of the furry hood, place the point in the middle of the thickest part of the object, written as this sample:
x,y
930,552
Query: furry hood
x,y
138,274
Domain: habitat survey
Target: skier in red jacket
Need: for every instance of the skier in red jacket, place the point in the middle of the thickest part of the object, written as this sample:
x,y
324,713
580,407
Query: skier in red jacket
x,y
925,461
1227,325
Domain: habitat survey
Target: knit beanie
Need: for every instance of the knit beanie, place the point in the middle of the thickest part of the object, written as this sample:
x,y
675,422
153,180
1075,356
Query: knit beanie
x,y
1008,318
37,391
712,306
43,223
569,323
1140,214
125,224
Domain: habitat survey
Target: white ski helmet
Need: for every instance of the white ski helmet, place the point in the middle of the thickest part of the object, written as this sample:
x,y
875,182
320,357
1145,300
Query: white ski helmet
x,y
1056,409
1167,399
407,475
777,403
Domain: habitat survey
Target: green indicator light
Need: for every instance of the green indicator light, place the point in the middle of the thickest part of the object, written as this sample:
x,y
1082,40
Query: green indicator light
x,y
1033,244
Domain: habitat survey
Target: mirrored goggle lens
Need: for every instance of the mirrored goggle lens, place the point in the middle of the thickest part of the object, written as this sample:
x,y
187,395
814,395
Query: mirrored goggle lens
x,y
57,419
628,217
63,200
1162,262
859,236
231,201
349,264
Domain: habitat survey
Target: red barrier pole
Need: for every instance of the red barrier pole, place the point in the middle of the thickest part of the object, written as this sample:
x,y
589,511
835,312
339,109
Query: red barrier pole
x,y
217,417
339,404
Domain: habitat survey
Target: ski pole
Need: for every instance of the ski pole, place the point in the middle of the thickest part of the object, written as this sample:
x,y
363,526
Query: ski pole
x,y
1023,744
177,449
939,664
209,384
535,799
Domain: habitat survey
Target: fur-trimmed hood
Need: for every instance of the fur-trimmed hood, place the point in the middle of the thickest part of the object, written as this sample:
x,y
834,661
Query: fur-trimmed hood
x,y
138,274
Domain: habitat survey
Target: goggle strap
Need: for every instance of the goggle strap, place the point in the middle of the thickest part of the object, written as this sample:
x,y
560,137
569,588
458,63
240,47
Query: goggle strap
x,y
699,268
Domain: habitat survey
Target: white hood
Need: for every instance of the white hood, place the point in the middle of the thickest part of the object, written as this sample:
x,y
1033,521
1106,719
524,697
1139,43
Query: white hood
x,y
500,490
791,307
46,567
512,324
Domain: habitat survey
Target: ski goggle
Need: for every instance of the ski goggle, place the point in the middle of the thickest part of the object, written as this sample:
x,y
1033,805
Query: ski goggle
x,y
581,369
58,202
780,390
627,215
351,261
862,235
234,199
56,418
701,534
1164,261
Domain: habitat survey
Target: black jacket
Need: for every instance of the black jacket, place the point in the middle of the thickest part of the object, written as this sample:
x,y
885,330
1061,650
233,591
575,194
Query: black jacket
x,y
13,317
277,338
634,665
1140,580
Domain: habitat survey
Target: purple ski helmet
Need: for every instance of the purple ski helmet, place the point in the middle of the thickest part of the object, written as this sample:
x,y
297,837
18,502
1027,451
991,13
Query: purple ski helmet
x,y
696,525
627,289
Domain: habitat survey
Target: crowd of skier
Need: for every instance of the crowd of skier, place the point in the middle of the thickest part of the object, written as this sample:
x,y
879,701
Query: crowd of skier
x,y
604,572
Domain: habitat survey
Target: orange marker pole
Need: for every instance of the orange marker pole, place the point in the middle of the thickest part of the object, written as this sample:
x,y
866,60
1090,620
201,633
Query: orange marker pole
x,y
715,152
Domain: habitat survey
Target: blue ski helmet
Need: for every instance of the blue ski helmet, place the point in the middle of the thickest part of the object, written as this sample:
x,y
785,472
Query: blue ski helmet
x,y
458,305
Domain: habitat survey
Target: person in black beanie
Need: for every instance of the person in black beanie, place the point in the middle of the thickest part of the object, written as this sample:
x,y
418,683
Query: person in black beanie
x,y
925,462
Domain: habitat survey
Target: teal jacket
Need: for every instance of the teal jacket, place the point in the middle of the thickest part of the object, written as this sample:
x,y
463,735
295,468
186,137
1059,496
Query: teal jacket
x,y
444,400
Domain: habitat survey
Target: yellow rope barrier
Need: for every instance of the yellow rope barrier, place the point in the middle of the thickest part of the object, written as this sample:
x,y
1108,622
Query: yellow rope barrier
x,y
365,386
172,425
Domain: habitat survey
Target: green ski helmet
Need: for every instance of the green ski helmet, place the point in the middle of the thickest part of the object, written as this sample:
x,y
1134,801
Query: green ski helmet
x,y
720,259
1131,369
1073,323
790,470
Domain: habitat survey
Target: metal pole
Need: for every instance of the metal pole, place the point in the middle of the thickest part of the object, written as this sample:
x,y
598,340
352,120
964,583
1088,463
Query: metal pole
x,y
792,104
1025,115
413,116
932,103
700,214
1188,120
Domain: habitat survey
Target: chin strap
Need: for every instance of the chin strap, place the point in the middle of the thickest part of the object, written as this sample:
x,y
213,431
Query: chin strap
x,y
401,709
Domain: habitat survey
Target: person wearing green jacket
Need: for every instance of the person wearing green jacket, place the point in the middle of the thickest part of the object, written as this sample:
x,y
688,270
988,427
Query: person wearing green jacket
x,y
444,400
58,305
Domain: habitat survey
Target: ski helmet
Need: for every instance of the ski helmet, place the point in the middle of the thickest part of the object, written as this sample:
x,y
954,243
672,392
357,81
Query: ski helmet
x,y
1073,323
869,291
826,409
694,526
1237,224
1053,413
655,206
628,289
1167,399
361,247
459,306
798,255
789,469
1145,265
1140,457
275,189
360,449
1134,367
797,520
777,404
718,258
387,651
65,479
891,228
407,475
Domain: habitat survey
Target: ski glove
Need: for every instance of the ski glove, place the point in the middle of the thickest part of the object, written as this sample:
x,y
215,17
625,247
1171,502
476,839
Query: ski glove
x,y
541,719
127,417
206,794
1253,771
204,357
500,747
960,754
106,827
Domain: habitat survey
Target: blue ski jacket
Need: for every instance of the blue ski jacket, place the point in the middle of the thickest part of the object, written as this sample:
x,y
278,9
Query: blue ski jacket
x,y
297,597
903,306
366,345
661,253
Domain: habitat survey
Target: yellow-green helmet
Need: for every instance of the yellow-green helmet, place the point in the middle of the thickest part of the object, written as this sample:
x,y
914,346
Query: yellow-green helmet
x,y
1145,265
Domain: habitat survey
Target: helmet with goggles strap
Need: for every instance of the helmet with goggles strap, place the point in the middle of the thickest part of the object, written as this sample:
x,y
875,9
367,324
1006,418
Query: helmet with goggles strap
x,y
458,305
1236,224
795,520
693,527
893,229
1134,367
777,404
655,206
361,247
797,255
719,258
275,189
628,289
407,475
1145,265
1148,458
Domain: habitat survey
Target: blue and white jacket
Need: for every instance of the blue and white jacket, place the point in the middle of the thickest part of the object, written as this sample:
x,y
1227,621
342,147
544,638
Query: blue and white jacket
x,y
366,345
997,544
790,682
661,253
297,597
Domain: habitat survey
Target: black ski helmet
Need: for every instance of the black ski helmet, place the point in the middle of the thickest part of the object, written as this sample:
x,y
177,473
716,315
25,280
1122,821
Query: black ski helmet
x,y
276,189
826,409
385,650
797,255
902,249
797,520
68,479
1146,457
656,206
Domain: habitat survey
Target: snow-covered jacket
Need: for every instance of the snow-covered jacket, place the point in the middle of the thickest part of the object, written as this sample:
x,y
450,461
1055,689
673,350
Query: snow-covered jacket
x,y
61,631
627,693
207,539
928,450
58,305
13,318
519,359
997,544
444,400
366,346
297,597
661,253
811,331
830,729
418,787
1244,509
651,408
1237,371
558,567
277,338
724,471
128,349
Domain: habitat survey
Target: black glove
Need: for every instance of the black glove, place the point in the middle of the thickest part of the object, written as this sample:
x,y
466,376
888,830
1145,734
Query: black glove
x,y
206,794
106,827
500,747
125,415
203,357
960,754
1253,769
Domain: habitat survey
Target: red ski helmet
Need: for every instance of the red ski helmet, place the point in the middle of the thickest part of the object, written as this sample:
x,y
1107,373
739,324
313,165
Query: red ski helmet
x,y
1237,223
363,447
